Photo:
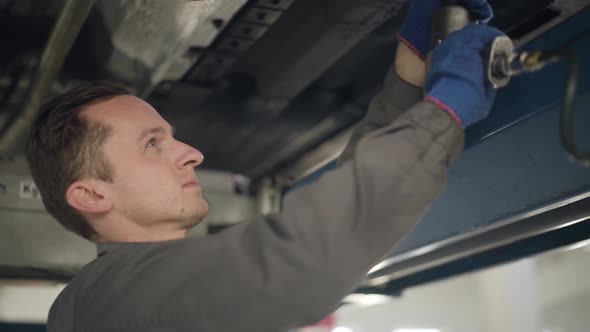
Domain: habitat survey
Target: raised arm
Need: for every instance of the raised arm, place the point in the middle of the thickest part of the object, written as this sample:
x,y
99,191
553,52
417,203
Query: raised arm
x,y
402,87
287,270
295,267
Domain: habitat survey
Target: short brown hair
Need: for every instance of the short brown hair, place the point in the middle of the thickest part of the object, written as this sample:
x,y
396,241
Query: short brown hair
x,y
65,147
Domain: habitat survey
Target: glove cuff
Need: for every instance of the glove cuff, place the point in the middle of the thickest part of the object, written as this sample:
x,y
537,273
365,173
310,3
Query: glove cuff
x,y
411,47
445,108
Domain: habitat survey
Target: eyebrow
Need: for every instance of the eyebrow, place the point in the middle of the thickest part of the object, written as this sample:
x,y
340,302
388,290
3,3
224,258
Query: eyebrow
x,y
156,130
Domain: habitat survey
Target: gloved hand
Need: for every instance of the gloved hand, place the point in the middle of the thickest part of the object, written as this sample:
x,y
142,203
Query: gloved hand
x,y
417,27
457,81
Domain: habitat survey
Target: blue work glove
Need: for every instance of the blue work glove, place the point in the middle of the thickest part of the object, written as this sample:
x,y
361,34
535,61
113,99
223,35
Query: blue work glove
x,y
417,27
457,81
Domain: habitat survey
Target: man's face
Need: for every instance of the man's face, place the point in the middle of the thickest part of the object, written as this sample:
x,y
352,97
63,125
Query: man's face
x,y
154,183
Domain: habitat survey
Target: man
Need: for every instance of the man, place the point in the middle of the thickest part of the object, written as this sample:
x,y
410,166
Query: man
x,y
110,170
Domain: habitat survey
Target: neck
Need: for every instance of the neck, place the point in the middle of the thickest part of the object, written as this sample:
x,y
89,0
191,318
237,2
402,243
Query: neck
x,y
129,231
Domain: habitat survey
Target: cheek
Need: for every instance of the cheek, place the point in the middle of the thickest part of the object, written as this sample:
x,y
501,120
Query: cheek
x,y
150,200
149,186
157,186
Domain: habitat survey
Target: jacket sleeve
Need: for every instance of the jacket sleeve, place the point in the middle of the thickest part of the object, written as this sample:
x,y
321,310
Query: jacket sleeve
x,y
291,269
396,97
294,268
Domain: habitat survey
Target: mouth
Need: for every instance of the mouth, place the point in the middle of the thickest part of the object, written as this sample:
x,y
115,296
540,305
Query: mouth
x,y
191,184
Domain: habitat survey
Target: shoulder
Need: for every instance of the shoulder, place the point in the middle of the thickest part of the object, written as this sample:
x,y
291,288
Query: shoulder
x,y
62,313
129,285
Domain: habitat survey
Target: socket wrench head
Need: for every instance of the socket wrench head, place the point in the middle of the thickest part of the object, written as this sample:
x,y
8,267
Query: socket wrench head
x,y
498,61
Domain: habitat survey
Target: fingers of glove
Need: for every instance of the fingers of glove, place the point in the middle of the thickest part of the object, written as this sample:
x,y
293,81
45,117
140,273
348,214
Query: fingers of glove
x,y
416,30
457,75
480,10
473,37
490,92
421,11
482,14
461,54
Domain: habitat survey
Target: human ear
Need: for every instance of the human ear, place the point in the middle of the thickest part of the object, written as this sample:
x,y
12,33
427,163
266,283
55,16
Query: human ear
x,y
88,196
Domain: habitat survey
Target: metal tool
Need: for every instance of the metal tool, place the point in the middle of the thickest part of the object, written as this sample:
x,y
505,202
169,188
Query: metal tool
x,y
502,62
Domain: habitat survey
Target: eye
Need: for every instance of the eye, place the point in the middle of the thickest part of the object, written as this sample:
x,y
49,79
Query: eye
x,y
152,143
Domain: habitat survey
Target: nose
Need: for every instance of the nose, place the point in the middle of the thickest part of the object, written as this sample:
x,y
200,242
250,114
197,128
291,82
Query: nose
x,y
188,156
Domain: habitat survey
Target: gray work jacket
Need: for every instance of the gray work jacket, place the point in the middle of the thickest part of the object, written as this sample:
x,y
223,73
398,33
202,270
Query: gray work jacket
x,y
286,270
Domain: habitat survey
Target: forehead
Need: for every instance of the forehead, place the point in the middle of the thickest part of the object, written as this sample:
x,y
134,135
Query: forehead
x,y
125,114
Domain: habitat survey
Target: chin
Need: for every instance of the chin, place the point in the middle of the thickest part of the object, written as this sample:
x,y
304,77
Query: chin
x,y
198,214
